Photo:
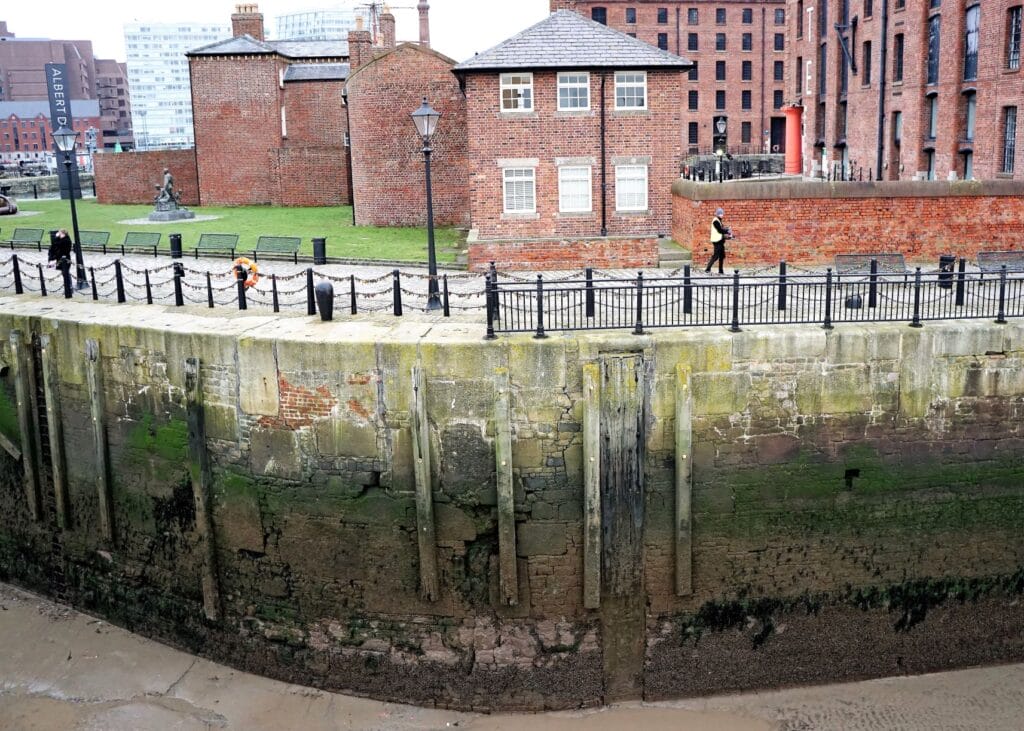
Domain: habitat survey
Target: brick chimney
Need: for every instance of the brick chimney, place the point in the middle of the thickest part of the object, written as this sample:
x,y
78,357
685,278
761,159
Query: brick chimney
x,y
387,29
424,8
360,46
247,20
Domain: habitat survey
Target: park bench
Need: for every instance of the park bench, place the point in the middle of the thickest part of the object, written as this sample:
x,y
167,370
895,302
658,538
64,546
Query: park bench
x,y
94,240
27,236
992,262
135,241
856,264
278,246
217,243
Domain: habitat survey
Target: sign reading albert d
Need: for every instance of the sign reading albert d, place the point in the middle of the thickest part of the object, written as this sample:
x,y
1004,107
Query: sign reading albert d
x,y
59,93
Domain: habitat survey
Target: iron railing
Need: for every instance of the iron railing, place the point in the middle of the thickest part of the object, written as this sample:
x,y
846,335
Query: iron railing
x,y
646,303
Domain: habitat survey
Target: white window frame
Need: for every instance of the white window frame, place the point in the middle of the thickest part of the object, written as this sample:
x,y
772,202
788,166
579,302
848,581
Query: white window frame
x,y
568,170
523,82
564,83
512,175
622,83
627,173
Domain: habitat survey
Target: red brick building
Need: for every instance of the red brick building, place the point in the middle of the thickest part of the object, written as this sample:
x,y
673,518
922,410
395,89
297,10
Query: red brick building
x,y
25,131
932,88
573,145
269,119
387,157
738,48
23,79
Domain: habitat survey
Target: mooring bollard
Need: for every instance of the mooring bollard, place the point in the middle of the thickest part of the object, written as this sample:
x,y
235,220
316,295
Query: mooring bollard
x,y
325,300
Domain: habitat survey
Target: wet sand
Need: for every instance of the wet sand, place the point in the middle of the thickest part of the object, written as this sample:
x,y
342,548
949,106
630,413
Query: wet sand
x,y
65,671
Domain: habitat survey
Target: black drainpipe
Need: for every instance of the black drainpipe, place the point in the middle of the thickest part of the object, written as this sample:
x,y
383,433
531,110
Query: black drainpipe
x,y
882,62
604,162
351,175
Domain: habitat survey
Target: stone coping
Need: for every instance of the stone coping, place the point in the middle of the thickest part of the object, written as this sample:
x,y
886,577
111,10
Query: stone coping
x,y
795,188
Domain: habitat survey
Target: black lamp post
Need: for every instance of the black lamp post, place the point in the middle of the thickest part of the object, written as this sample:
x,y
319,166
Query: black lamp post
x,y
65,140
425,118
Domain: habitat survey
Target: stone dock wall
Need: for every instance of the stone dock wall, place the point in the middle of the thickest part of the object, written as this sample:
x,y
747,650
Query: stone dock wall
x,y
404,510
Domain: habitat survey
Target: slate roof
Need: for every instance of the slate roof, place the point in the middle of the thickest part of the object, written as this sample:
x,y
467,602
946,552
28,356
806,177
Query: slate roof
x,y
316,72
567,40
246,45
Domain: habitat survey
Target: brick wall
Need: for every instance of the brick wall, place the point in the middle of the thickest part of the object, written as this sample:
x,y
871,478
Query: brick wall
x,y
610,252
546,138
762,56
236,108
131,177
249,153
996,87
811,222
388,166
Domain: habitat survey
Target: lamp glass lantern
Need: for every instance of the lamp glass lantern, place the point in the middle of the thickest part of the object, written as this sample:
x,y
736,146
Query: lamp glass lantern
x,y
425,118
65,139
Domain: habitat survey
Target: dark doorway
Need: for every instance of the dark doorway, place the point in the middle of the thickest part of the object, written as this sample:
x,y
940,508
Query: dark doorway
x,y
778,141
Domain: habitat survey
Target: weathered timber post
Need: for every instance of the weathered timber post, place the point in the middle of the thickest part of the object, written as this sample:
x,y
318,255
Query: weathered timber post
x,y
199,470
94,378
26,396
58,464
509,576
684,474
623,597
592,485
425,530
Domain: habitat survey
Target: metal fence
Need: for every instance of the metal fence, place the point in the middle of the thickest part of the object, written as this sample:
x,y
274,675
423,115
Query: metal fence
x,y
643,303
515,303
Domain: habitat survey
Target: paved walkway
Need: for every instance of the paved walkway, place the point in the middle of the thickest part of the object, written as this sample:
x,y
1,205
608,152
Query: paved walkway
x,y
65,671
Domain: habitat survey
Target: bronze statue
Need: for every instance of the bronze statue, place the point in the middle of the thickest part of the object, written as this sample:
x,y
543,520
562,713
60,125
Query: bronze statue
x,y
167,198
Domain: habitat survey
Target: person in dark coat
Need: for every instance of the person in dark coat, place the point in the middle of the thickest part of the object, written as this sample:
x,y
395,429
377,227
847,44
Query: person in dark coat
x,y
59,249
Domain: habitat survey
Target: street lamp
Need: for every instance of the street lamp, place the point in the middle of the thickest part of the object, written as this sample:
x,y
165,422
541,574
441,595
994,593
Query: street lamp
x,y
65,140
425,118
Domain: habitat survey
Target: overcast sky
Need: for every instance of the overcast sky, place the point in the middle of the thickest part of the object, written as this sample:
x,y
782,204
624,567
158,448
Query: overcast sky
x,y
458,28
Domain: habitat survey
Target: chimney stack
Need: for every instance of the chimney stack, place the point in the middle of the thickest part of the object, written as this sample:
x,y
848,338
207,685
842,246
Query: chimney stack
x,y
387,29
247,20
360,45
424,8
3,30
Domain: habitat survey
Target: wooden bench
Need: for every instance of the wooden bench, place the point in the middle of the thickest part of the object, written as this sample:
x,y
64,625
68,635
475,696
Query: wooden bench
x,y
217,243
854,264
992,262
135,241
94,240
27,236
285,246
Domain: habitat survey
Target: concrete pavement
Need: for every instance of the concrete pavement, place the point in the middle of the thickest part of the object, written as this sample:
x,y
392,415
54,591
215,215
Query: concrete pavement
x,y
65,671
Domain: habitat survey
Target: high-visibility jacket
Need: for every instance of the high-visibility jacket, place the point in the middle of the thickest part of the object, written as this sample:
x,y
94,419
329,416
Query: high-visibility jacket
x,y
717,235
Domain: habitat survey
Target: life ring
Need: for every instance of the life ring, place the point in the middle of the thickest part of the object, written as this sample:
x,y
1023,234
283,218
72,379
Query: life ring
x,y
254,272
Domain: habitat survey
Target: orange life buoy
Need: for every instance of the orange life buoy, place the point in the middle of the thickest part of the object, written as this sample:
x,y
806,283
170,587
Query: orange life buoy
x,y
250,267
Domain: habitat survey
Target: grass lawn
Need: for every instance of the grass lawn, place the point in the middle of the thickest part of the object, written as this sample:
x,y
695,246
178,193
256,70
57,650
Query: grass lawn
x,y
249,222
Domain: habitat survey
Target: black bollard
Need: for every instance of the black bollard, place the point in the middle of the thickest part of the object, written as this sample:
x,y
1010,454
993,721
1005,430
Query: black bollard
x,y
179,272
320,251
325,300
175,246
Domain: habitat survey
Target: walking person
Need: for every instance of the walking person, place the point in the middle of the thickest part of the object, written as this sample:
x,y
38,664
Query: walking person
x,y
719,233
60,248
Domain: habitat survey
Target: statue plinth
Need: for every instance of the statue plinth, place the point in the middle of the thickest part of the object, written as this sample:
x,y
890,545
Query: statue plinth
x,y
175,214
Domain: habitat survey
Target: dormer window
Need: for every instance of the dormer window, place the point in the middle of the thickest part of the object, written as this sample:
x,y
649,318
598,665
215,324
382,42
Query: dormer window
x,y
517,92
